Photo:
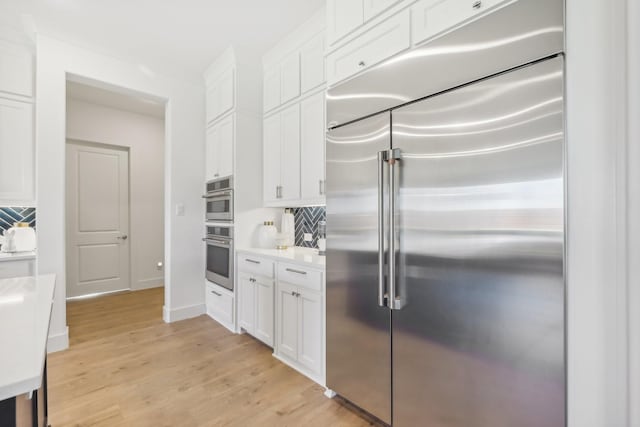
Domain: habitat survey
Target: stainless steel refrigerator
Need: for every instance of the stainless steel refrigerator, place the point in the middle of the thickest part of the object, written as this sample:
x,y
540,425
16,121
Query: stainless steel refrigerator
x,y
446,229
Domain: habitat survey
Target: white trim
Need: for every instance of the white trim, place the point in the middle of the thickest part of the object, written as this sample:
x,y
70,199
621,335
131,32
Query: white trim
x,y
633,218
58,342
329,394
182,313
154,282
596,238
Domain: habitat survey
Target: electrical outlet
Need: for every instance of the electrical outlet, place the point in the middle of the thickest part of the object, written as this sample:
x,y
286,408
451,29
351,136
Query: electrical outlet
x,y
308,237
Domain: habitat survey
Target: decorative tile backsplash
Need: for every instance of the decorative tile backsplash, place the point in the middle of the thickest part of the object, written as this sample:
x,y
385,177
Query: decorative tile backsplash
x,y
306,221
8,216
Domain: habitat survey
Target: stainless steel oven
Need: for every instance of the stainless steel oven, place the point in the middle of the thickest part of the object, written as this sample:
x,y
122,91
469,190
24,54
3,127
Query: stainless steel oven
x,y
219,254
219,199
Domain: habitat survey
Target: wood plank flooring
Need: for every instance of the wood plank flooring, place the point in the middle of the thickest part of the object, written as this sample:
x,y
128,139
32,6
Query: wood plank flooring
x,y
126,367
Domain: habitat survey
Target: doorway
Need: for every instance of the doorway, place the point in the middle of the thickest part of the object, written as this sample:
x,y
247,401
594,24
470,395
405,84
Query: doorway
x,y
115,149
98,250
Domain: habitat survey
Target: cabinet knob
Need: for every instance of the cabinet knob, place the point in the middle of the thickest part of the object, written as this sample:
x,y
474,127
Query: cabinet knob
x,y
361,64
477,5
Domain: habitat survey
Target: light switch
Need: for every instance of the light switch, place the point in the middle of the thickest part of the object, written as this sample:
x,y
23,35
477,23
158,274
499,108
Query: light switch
x,y
179,209
308,237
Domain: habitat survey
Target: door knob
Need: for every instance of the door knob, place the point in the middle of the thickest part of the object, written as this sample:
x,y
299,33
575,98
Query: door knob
x,y
123,237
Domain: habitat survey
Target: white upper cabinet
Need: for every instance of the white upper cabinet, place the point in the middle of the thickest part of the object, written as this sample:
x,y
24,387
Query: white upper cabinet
x,y
312,143
433,17
290,77
343,16
374,7
220,95
290,168
225,148
312,63
271,89
379,43
272,159
17,169
16,69
219,148
212,145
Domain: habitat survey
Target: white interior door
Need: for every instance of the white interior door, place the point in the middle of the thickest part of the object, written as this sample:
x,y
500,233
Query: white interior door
x,y
97,219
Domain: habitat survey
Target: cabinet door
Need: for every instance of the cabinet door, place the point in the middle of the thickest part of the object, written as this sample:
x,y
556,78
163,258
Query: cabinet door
x,y
225,146
16,152
16,69
343,16
246,303
432,17
271,157
290,167
310,330
287,320
312,131
312,63
264,310
374,7
290,77
376,45
226,91
211,152
213,103
271,88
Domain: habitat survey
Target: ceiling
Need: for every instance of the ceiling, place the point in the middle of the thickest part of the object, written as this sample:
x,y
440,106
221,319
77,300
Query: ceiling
x,y
107,98
178,38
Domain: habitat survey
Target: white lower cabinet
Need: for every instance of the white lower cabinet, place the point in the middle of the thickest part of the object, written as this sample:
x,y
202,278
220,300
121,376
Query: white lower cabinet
x,y
219,304
20,268
282,305
256,306
300,321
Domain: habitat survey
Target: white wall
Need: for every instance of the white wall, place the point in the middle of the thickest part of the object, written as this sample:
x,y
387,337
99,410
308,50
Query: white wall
x,y
144,136
184,171
597,233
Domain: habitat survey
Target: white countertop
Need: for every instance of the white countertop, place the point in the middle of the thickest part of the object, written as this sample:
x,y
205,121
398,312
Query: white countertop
x,y
17,256
25,311
297,255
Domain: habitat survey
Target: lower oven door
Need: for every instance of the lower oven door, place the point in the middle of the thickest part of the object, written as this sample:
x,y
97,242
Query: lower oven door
x,y
220,262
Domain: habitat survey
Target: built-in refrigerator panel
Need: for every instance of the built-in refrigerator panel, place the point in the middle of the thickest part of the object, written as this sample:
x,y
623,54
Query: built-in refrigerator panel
x,y
358,328
479,338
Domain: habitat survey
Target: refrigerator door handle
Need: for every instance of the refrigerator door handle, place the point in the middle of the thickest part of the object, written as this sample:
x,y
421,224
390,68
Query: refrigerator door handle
x,y
395,302
382,159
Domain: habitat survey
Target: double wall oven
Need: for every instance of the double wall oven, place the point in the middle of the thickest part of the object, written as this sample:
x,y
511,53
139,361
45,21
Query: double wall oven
x,y
219,232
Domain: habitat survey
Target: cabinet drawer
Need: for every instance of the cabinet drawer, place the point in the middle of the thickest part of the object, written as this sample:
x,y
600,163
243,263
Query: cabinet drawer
x,y
296,275
432,17
255,265
371,48
219,304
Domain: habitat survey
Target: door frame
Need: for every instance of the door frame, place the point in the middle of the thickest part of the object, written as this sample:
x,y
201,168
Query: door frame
x,y
95,144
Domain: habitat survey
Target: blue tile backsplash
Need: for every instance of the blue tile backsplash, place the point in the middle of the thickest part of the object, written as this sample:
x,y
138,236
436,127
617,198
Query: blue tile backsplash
x,y
8,216
306,221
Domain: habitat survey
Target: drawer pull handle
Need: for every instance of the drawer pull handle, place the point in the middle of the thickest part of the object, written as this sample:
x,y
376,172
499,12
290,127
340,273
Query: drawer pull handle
x,y
361,64
216,294
252,261
477,5
291,270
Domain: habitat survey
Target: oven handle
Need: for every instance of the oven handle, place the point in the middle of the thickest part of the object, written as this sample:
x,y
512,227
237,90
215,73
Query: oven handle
x,y
219,242
218,195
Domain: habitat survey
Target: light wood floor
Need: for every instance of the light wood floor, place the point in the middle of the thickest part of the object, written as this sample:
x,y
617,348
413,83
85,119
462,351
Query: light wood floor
x,y
126,367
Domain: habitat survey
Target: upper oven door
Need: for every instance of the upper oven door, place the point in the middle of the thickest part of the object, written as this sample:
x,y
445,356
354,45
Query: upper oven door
x,y
220,206
220,262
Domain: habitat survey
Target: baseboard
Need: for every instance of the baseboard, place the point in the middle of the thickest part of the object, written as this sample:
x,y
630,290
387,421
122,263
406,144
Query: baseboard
x,y
58,342
182,313
156,282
